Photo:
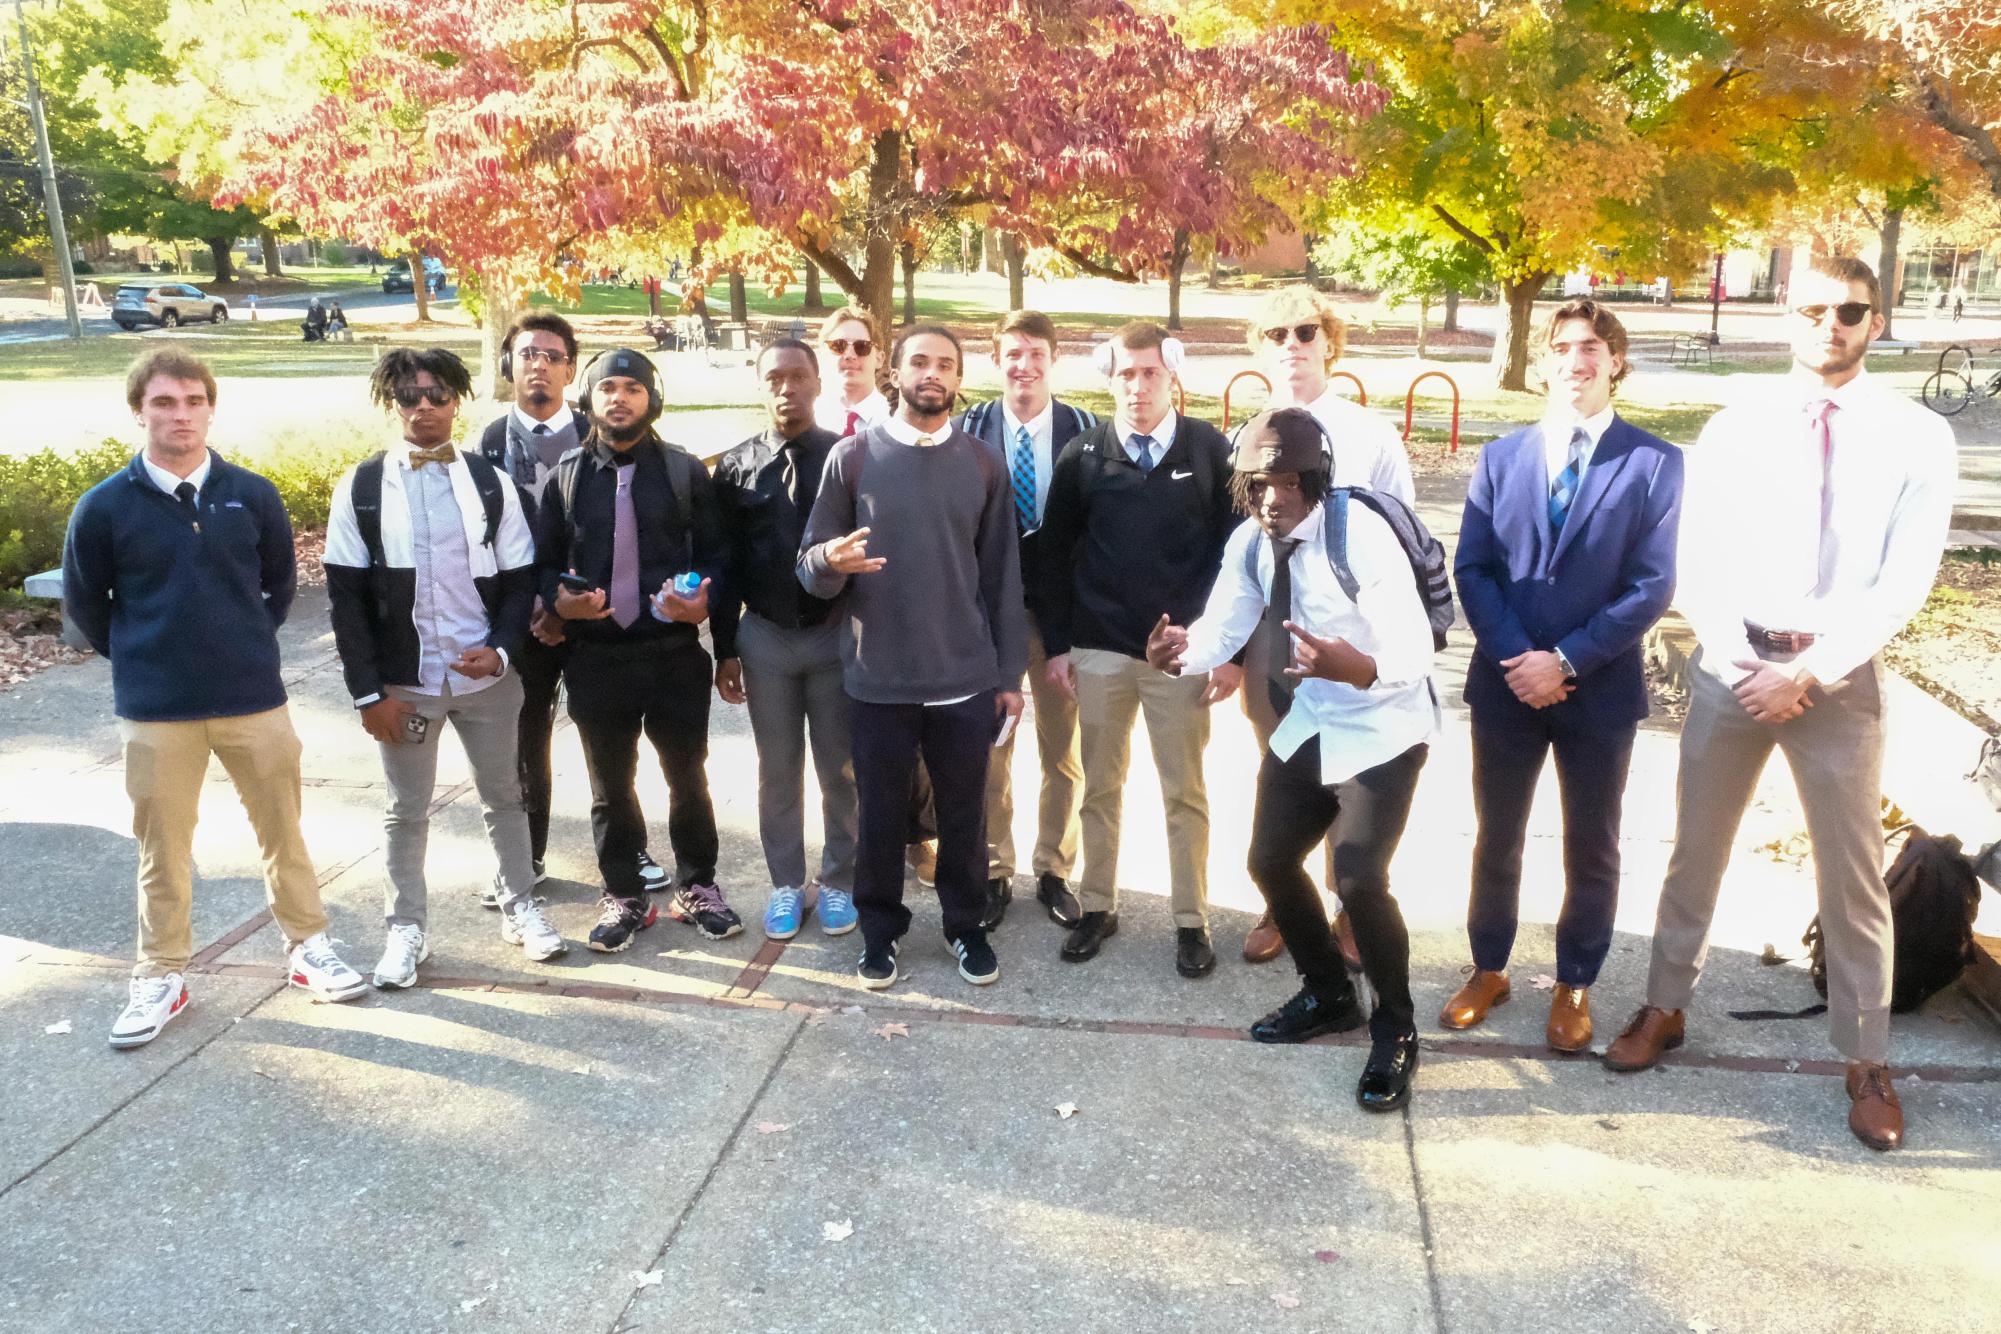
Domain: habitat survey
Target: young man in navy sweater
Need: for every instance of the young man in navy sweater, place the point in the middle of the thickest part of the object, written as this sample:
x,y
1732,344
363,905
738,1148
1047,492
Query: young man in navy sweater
x,y
180,570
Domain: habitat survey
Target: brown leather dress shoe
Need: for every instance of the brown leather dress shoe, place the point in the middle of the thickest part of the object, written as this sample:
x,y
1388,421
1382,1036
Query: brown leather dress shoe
x,y
1264,943
1344,939
923,859
1651,1032
1569,1019
1469,1005
1874,1113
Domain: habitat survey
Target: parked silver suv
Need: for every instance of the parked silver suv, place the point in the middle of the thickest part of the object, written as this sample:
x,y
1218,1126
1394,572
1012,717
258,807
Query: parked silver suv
x,y
165,304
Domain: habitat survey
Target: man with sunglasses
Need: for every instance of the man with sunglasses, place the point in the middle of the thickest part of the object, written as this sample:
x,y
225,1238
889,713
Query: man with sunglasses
x,y
526,443
1812,524
1297,337
851,357
430,569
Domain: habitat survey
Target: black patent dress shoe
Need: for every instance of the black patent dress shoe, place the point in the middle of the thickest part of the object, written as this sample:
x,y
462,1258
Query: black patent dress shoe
x,y
1385,1083
1307,1016
1053,892
1000,893
1193,955
1091,932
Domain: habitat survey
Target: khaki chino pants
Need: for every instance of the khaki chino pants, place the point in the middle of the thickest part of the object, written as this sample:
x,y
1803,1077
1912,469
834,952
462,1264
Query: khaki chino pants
x,y
165,765
1056,821
1112,689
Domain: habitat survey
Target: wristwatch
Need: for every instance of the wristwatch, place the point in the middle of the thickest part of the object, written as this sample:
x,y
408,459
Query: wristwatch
x,y
1569,672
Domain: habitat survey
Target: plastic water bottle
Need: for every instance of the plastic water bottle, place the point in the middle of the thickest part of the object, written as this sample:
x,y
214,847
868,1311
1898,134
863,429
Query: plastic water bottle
x,y
687,584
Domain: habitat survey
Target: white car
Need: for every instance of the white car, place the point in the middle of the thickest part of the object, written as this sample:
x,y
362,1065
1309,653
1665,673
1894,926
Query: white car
x,y
165,304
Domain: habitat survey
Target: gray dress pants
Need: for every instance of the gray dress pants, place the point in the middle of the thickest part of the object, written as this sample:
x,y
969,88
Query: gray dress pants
x,y
792,679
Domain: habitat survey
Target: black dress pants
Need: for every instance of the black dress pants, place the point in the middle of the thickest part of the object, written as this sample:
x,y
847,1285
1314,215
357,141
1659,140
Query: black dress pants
x,y
617,692
540,668
955,741
1366,815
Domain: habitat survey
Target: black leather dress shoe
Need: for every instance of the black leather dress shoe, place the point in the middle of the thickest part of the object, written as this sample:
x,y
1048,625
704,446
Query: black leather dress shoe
x,y
1193,955
1091,932
1307,1016
1385,1083
1053,892
1000,893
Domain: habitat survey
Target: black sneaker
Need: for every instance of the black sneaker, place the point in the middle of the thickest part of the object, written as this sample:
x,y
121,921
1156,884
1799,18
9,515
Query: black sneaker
x,y
1000,893
703,906
1053,892
878,966
977,963
651,873
1307,1016
618,921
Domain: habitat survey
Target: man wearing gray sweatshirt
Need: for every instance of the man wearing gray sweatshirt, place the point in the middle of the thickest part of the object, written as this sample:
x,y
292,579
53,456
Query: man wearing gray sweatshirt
x,y
913,531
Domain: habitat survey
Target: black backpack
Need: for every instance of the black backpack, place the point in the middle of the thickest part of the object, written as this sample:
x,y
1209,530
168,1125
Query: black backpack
x,y
367,497
1426,555
681,467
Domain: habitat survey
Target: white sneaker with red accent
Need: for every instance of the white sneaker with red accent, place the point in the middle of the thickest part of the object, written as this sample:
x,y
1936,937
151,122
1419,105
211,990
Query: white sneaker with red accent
x,y
315,968
154,1003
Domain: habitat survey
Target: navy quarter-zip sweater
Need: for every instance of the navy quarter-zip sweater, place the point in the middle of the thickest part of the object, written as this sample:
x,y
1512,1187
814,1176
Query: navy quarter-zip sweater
x,y
187,607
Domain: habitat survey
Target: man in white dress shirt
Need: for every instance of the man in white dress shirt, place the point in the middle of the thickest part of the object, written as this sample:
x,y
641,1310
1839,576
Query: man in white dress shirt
x,y
1297,337
1357,714
851,357
1812,525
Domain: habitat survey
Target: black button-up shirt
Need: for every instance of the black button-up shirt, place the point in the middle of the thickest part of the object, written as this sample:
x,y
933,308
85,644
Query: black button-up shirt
x,y
765,489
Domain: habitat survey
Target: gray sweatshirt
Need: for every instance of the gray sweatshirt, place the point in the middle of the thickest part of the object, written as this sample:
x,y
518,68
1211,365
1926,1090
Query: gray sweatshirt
x,y
943,618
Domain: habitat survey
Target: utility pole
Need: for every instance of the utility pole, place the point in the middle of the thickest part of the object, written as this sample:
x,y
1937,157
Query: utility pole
x,y
1715,293
52,197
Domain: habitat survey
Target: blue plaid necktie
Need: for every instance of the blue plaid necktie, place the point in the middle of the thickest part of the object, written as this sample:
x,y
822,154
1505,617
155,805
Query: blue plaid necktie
x,y
1564,489
1143,444
1023,473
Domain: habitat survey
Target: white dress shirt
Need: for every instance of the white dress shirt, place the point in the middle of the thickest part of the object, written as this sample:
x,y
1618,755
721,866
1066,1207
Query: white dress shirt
x,y
563,417
1368,451
830,411
1556,429
1358,728
167,482
1042,442
1750,545
1162,436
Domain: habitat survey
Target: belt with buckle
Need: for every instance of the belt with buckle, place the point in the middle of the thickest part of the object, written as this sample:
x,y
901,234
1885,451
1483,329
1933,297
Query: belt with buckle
x,y
1779,641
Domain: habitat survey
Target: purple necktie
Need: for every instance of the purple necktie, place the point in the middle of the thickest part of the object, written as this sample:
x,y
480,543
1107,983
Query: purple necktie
x,y
1820,434
624,553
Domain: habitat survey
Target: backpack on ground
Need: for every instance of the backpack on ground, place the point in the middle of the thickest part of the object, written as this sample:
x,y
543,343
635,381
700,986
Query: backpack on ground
x,y
1424,552
366,494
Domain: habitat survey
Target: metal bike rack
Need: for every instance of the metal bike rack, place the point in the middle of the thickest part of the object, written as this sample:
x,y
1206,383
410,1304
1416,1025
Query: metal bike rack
x,y
1410,401
1361,391
1259,376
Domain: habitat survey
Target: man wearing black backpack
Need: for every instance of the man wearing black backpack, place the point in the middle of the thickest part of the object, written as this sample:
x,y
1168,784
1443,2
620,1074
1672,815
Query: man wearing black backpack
x,y
629,537
1334,571
431,573
1139,510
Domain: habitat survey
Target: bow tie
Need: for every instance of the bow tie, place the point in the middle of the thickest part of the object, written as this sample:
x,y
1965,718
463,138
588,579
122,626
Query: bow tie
x,y
442,454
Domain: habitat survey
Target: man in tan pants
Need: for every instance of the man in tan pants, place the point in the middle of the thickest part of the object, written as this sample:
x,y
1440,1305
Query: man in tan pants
x,y
180,570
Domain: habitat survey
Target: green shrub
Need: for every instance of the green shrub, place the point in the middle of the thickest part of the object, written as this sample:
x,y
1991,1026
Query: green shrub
x,y
305,474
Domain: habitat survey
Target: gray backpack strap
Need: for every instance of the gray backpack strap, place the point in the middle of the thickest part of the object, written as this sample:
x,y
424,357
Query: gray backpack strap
x,y
1337,541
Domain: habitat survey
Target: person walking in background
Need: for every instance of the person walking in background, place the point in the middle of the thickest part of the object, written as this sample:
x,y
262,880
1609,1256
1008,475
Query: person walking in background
x,y
1566,559
179,569
431,576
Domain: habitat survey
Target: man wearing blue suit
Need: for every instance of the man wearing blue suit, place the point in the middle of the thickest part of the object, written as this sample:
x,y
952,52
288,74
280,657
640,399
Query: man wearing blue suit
x,y
1566,557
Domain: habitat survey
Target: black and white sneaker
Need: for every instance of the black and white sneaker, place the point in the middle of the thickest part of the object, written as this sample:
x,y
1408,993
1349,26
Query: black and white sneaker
x,y
878,966
489,894
651,873
702,906
541,874
618,922
977,963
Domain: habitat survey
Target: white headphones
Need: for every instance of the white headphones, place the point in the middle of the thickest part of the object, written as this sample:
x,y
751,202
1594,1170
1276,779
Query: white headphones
x,y
1173,352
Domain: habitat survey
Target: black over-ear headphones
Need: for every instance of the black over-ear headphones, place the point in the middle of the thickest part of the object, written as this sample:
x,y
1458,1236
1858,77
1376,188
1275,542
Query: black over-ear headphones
x,y
623,364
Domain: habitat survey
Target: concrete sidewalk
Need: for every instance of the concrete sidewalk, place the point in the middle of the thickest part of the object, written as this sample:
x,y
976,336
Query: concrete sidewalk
x,y
703,1135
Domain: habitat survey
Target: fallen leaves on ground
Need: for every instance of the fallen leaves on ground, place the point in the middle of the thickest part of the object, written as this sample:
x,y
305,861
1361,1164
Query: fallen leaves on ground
x,y
1066,1110
888,1031
1542,982
58,1028
772,1127
652,1278
29,644
1327,1257
1285,1301
840,1231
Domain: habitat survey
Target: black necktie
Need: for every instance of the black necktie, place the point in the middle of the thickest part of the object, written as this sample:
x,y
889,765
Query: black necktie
x,y
185,493
795,479
1278,610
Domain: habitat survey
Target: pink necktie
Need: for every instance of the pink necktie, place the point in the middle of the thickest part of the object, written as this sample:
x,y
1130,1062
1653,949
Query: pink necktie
x,y
854,420
1820,433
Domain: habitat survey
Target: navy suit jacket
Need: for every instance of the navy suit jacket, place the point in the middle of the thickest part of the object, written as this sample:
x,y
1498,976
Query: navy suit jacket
x,y
984,420
1593,592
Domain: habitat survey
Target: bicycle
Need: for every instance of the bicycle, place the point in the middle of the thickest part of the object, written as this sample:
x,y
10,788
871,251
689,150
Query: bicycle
x,y
1948,391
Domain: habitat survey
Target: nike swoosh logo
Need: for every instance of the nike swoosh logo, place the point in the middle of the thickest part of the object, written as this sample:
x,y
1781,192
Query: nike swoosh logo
x,y
1177,476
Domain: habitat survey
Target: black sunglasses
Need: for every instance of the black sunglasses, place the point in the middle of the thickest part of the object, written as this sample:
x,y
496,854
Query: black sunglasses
x,y
1848,314
1305,333
438,395
839,346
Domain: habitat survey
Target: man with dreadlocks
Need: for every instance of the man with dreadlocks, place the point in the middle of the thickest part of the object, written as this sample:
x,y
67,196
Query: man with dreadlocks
x,y
431,574
1356,716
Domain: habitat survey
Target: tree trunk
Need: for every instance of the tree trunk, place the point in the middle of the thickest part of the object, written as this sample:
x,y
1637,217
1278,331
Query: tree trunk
x,y
739,300
218,249
1451,324
909,258
497,313
1886,264
814,301
1215,267
1511,340
1015,254
1177,261
267,241
1423,326
420,287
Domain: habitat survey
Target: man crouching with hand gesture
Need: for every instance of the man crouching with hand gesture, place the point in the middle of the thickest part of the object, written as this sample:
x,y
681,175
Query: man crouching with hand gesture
x,y
1356,715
